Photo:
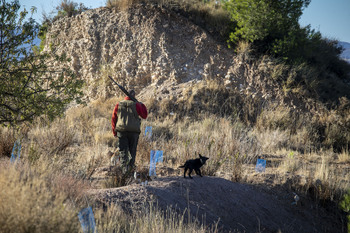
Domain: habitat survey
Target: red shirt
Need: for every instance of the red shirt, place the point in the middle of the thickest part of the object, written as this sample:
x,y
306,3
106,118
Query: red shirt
x,y
140,108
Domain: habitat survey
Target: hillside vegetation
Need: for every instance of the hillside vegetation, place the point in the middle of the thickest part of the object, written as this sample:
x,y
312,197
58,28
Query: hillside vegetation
x,y
280,92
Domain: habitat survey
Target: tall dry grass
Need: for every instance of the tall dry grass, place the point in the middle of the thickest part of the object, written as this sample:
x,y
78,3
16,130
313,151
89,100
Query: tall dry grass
x,y
228,144
52,139
150,219
309,131
344,156
31,201
42,198
84,136
92,123
207,98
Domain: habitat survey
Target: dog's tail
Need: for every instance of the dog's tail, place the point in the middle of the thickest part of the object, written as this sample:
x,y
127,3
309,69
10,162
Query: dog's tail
x,y
182,166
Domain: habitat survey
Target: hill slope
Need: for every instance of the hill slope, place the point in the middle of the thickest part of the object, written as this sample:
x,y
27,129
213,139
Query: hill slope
x,y
139,46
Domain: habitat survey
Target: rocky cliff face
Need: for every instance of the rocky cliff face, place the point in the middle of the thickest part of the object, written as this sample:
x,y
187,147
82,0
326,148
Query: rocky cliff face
x,y
147,46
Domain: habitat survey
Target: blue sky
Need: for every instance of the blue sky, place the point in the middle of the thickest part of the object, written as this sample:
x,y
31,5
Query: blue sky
x,y
46,6
330,17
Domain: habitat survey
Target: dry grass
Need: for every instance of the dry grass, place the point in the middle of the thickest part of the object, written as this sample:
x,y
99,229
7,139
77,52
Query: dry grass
x,y
52,139
226,142
307,132
150,219
121,4
243,50
84,136
272,140
344,156
314,174
207,14
207,98
31,203
229,143
290,163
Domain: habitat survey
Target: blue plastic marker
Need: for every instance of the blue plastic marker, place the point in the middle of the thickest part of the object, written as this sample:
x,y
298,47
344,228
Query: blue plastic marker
x,y
148,132
152,164
260,165
16,151
87,220
159,156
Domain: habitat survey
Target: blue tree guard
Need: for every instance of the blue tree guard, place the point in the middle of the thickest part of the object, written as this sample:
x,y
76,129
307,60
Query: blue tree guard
x,y
87,220
260,165
159,156
16,151
152,164
148,132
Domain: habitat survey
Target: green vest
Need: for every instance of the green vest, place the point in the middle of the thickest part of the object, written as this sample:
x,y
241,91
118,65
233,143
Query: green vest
x,y
128,118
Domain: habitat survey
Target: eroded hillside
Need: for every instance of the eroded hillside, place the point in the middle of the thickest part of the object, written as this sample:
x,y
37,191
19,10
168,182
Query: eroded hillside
x,y
148,46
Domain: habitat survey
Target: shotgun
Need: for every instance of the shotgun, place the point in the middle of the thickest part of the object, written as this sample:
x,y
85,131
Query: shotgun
x,y
124,90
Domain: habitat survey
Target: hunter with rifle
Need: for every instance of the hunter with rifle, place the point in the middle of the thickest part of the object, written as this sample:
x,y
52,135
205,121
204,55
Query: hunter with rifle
x,y
126,125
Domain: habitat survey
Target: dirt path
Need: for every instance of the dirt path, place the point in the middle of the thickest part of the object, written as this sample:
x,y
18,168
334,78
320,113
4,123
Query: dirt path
x,y
242,207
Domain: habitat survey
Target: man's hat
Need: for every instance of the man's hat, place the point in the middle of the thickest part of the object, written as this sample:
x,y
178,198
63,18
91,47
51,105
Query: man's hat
x,y
132,92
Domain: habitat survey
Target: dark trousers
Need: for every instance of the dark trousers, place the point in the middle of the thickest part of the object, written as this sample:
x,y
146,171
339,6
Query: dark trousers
x,y
127,146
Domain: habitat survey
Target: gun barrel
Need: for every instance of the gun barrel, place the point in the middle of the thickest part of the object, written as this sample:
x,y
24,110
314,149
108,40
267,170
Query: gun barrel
x,y
124,90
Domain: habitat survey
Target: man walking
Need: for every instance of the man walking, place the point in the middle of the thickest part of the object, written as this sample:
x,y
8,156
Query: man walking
x,y
126,124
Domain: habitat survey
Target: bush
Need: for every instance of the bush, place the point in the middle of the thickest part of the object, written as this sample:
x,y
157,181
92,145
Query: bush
x,y
69,8
264,21
7,140
345,205
52,139
273,28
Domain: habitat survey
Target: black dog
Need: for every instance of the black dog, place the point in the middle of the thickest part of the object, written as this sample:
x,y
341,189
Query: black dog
x,y
194,164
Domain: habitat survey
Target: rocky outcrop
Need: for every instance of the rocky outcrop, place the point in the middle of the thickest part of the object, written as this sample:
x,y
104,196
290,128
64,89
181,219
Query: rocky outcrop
x,y
138,47
148,46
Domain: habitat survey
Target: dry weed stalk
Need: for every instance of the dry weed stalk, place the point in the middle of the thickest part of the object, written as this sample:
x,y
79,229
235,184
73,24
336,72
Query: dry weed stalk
x,y
52,139
344,156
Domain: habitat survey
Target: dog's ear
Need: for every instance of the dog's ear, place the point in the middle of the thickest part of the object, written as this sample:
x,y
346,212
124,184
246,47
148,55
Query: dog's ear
x,y
200,156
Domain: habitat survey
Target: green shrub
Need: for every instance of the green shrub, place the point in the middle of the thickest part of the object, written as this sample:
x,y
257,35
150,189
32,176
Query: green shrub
x,y
345,205
264,21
